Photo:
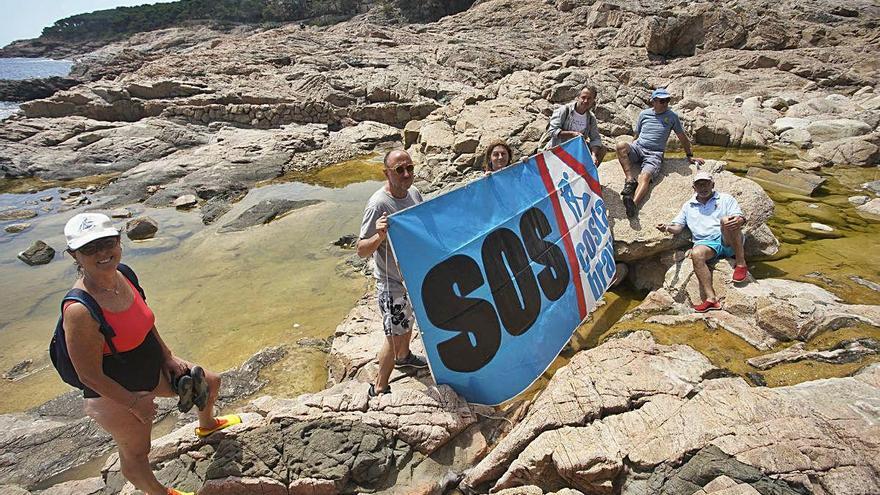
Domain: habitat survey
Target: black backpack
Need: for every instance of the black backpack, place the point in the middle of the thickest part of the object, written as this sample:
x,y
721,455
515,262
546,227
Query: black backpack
x,y
58,347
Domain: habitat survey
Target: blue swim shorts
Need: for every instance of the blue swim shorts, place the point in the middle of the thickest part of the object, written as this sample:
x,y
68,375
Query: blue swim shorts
x,y
717,244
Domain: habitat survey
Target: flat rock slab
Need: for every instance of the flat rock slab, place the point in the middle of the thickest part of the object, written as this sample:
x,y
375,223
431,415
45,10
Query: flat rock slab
x,y
762,312
787,180
606,380
338,440
815,434
425,418
16,214
846,351
266,211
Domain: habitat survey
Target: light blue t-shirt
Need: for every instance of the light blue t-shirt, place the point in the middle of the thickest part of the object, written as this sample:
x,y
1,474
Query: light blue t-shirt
x,y
653,129
704,220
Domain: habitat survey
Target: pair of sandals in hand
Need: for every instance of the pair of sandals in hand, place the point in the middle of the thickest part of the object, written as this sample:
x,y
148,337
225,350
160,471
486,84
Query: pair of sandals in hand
x,y
191,389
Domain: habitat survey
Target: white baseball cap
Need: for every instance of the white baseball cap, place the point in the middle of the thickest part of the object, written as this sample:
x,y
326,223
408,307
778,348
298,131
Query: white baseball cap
x,y
84,228
702,175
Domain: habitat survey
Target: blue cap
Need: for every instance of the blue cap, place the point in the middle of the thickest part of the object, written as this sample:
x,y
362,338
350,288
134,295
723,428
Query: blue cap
x,y
660,93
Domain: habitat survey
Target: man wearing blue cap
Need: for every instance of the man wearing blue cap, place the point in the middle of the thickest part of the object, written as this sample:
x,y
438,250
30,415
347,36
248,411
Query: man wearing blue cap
x,y
652,131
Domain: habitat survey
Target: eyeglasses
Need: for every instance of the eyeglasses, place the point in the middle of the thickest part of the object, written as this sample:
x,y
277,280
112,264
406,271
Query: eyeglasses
x,y
99,245
661,100
400,169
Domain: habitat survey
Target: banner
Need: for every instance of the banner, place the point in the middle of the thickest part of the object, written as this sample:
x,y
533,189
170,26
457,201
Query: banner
x,y
501,271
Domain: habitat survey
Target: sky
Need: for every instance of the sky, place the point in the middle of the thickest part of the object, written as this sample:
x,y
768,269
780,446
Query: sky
x,y
22,19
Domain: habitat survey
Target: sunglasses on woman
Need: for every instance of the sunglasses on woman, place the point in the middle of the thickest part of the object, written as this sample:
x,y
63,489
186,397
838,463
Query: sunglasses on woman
x,y
99,245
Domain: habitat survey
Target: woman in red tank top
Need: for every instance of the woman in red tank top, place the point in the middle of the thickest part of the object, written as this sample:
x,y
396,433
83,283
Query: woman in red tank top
x,y
119,389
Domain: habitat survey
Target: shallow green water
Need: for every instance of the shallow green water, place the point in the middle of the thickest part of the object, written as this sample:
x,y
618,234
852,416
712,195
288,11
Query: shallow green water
x,y
218,298
829,263
221,297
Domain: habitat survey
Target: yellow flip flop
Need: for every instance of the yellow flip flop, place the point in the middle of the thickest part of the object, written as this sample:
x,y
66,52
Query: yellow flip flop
x,y
222,422
172,491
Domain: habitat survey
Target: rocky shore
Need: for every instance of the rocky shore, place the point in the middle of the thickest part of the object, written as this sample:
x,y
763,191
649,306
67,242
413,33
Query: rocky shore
x,y
194,111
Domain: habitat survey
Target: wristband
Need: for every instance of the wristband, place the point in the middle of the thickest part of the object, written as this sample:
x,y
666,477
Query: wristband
x,y
689,155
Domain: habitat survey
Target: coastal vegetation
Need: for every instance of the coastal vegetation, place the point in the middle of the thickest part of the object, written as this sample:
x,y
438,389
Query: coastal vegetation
x,y
122,21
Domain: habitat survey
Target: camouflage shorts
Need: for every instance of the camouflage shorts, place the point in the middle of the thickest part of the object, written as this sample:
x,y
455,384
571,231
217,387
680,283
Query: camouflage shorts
x,y
397,313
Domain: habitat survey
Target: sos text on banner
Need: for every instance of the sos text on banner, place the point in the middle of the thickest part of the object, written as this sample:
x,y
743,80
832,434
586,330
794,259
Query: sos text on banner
x,y
501,271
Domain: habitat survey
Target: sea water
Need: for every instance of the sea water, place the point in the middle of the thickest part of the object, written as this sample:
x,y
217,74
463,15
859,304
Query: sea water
x,y
29,68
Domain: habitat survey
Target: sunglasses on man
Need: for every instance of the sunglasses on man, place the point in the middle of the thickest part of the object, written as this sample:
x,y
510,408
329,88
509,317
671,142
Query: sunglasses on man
x,y
400,169
98,245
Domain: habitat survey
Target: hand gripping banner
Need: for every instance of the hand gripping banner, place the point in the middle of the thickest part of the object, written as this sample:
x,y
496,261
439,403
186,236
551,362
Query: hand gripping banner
x,y
501,271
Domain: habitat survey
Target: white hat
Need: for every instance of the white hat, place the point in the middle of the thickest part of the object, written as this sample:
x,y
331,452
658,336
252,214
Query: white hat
x,y
702,175
86,227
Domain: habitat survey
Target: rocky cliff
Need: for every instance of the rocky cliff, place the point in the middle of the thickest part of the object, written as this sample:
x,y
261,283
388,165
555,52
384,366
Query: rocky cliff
x,y
210,113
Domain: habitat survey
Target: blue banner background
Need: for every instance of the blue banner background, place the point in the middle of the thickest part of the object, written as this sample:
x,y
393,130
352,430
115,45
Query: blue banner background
x,y
457,223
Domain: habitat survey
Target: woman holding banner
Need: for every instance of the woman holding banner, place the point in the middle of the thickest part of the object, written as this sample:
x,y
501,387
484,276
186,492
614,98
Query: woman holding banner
x,y
498,155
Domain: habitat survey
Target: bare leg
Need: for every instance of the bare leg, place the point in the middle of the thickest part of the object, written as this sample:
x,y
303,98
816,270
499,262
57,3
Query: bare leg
x,y
623,157
642,189
401,345
733,238
133,440
394,347
699,255
206,415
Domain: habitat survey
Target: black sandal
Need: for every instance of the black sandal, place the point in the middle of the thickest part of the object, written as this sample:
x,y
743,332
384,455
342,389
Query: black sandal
x,y
200,387
372,391
183,386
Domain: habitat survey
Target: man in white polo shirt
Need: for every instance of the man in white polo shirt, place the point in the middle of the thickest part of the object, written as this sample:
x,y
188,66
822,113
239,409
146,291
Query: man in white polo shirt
x,y
715,220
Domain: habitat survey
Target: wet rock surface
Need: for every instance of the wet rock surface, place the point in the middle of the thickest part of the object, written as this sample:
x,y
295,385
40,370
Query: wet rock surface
x,y
762,312
39,253
844,352
141,228
265,212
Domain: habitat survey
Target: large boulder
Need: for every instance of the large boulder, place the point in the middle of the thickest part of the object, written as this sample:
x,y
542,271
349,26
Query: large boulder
x,y
765,437
862,151
636,239
822,131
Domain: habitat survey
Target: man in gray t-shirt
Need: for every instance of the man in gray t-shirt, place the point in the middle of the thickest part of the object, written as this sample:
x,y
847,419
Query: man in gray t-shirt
x,y
576,119
395,195
652,131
